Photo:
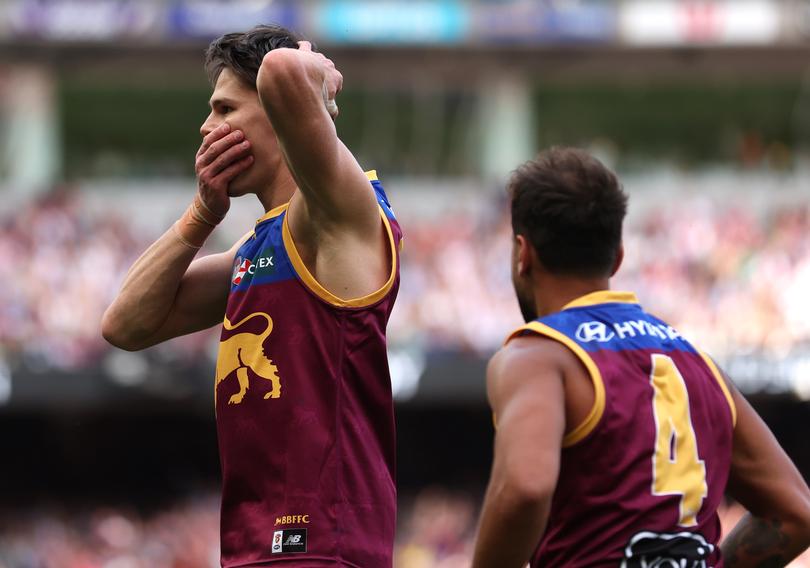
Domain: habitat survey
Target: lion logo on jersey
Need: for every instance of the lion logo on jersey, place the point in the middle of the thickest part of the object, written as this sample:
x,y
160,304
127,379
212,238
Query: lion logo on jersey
x,y
655,550
242,352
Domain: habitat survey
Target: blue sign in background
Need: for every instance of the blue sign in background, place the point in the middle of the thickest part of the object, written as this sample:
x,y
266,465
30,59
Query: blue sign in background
x,y
212,18
541,22
384,21
358,22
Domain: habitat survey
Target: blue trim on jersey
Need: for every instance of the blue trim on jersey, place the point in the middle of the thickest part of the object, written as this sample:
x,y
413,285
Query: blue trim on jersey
x,y
616,327
382,199
262,259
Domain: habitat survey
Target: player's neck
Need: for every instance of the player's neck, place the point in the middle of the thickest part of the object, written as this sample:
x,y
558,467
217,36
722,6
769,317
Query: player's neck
x,y
555,292
279,191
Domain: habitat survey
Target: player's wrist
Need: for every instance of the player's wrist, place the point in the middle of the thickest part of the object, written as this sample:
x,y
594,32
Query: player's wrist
x,y
207,212
196,224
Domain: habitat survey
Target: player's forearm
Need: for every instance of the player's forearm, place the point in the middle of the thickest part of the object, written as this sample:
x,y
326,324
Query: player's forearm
x,y
764,543
147,293
511,524
150,288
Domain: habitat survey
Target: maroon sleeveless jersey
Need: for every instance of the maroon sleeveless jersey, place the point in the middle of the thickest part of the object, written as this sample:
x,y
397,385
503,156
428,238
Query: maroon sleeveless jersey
x,y
304,410
641,478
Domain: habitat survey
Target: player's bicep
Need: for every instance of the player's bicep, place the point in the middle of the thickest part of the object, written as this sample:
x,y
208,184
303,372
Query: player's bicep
x,y
762,477
527,393
200,301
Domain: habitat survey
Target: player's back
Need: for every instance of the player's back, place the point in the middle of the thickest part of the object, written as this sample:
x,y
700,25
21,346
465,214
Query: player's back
x,y
642,477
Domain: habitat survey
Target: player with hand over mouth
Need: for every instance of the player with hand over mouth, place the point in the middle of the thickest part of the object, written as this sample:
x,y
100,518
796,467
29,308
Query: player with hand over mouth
x,y
303,396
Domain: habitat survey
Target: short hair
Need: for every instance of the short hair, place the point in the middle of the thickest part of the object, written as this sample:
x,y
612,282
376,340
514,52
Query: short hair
x,y
570,207
242,52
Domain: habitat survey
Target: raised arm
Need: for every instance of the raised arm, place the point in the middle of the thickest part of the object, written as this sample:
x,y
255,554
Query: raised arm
x,y
765,481
297,88
526,391
167,293
334,219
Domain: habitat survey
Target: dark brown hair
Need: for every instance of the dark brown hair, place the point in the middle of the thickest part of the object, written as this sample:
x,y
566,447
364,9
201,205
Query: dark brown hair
x,y
570,207
242,52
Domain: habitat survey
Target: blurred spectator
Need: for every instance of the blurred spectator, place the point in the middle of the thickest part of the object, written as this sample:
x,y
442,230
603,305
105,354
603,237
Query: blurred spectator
x,y
437,532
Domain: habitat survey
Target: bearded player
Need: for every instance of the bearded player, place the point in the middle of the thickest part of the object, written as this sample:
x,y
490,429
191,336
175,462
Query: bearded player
x,y
303,398
615,437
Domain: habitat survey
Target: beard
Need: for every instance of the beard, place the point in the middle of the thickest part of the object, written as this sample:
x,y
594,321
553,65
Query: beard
x,y
527,307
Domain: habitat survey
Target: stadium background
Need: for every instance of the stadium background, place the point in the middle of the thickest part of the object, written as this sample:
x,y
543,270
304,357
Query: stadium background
x,y
703,107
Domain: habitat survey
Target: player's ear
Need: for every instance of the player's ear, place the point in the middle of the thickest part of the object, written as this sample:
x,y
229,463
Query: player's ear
x,y
523,253
619,259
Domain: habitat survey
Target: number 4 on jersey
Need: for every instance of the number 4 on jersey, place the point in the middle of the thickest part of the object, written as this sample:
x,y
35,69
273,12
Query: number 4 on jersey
x,y
677,467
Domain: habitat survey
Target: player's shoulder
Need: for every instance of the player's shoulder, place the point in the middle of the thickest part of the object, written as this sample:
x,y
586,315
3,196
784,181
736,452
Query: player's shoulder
x,y
524,364
529,352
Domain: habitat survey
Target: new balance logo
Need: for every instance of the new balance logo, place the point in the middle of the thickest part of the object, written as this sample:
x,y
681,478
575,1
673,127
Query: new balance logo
x,y
289,541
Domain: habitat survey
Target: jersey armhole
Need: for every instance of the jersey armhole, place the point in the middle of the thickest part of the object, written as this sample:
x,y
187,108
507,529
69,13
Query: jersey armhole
x,y
718,376
598,409
316,288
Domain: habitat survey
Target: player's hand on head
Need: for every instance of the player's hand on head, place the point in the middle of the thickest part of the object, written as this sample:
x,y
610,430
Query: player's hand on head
x,y
223,154
333,79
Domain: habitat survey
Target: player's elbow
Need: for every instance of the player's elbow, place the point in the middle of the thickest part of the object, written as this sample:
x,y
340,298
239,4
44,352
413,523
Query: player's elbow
x,y
523,501
116,334
794,528
532,494
524,488
794,516
282,73
803,531
800,519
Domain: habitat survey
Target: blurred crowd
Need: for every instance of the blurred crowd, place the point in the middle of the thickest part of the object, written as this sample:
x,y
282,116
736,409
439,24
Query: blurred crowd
x,y
436,530
61,266
58,267
733,278
185,535
729,275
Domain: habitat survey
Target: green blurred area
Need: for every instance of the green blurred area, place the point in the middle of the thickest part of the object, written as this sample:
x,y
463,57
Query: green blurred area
x,y
150,128
411,133
690,125
126,130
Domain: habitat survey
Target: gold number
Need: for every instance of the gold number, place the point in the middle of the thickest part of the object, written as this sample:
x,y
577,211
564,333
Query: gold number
x,y
677,468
